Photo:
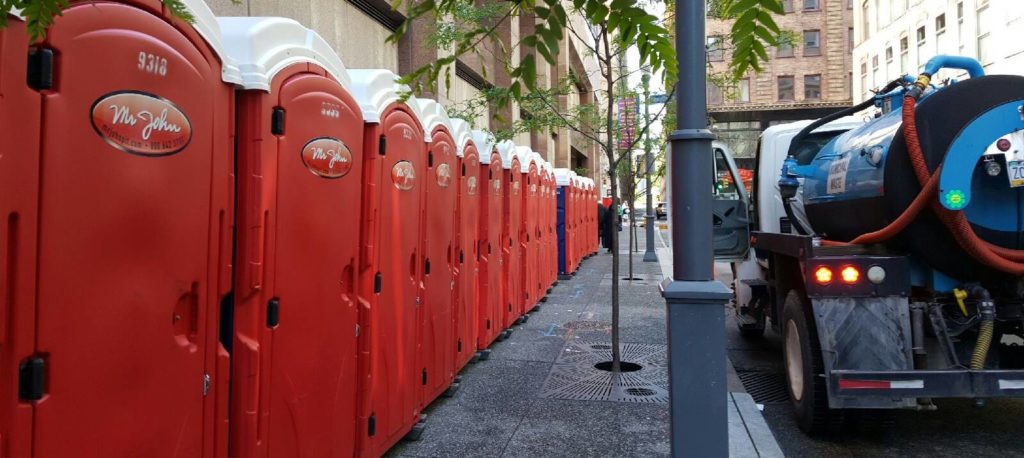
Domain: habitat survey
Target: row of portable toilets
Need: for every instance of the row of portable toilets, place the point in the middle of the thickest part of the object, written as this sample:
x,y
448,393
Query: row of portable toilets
x,y
216,240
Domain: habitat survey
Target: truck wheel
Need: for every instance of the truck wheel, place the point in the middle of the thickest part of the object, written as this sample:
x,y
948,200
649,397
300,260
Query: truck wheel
x,y
804,368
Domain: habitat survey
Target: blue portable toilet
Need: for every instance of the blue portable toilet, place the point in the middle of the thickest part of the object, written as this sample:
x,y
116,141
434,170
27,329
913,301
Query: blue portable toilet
x,y
562,177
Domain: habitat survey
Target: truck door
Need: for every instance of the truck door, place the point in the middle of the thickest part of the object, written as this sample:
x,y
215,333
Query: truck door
x,y
729,210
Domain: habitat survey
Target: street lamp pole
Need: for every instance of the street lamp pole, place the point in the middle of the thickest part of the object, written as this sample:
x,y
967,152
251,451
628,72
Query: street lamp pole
x,y
649,254
695,302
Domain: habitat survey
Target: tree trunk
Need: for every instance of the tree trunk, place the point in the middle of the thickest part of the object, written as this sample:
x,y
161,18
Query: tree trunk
x,y
609,76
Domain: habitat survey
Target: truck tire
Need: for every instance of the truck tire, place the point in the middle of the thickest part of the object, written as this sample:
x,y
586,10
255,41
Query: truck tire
x,y
805,369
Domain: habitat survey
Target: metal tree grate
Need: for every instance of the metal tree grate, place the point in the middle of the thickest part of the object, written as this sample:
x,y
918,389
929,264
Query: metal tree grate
x,y
574,376
765,387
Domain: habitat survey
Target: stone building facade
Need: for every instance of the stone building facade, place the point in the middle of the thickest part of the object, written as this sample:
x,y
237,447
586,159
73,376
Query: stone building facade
x,y
807,80
358,29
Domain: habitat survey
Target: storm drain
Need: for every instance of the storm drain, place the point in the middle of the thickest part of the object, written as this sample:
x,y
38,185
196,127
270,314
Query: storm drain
x,y
765,387
574,376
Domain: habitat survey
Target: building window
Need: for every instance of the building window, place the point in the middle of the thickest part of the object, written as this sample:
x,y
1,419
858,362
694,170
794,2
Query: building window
x,y
920,47
787,6
984,32
904,53
849,4
866,19
785,49
850,39
812,43
715,51
875,76
940,24
785,88
888,54
744,90
960,12
811,5
864,77
714,94
812,87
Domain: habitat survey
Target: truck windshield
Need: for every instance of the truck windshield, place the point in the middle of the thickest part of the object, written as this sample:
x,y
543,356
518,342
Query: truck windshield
x,y
813,143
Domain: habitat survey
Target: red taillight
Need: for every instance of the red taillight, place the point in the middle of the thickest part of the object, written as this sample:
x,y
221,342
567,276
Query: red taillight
x,y
850,274
823,275
1003,144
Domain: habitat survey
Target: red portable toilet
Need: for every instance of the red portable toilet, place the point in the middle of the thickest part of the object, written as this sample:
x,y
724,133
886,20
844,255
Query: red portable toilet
x,y
115,189
527,240
467,222
437,314
551,209
511,217
535,241
300,134
20,114
543,229
391,271
490,289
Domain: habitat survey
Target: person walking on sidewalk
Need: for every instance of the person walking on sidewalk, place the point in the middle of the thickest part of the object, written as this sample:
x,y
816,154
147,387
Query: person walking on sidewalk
x,y
601,210
608,224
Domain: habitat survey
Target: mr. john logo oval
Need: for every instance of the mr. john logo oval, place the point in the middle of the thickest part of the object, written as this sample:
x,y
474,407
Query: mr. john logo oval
x,y
140,123
444,175
403,175
327,157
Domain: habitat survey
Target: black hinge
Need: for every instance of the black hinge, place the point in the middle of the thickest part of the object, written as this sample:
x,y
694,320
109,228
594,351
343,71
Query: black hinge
x,y
463,169
510,241
430,159
490,174
273,312
371,426
424,376
461,256
377,282
426,267
460,346
31,379
382,146
40,69
510,306
488,248
488,324
277,121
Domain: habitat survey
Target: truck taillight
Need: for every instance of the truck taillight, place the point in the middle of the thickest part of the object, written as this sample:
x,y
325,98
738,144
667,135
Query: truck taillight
x,y
850,274
823,275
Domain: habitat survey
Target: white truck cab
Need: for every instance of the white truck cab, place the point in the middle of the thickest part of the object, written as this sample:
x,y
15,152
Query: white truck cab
x,y
765,210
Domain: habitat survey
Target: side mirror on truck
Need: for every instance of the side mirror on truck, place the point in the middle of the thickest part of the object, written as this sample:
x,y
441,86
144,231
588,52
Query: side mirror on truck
x,y
730,208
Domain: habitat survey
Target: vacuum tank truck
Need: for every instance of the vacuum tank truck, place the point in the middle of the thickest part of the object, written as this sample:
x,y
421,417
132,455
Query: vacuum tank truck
x,y
888,253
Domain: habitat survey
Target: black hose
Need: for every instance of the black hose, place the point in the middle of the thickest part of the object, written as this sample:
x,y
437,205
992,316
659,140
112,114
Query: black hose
x,y
799,138
800,229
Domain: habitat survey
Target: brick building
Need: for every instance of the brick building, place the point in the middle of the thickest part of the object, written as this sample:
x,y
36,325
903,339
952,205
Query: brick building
x,y
807,80
357,29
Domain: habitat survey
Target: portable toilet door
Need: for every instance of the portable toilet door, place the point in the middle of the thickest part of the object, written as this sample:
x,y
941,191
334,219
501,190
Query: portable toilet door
x,y
394,173
523,300
467,222
549,238
437,314
542,233
531,290
490,290
20,114
300,134
511,215
116,232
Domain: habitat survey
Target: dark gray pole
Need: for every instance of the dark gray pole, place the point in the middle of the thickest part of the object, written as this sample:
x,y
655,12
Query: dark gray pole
x,y
695,301
649,254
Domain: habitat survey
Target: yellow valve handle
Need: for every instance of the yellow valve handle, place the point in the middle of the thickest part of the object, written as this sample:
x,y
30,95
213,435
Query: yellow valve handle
x,y
960,296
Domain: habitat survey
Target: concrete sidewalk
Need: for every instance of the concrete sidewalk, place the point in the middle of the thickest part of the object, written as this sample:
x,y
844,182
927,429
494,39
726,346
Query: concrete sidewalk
x,y
539,395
